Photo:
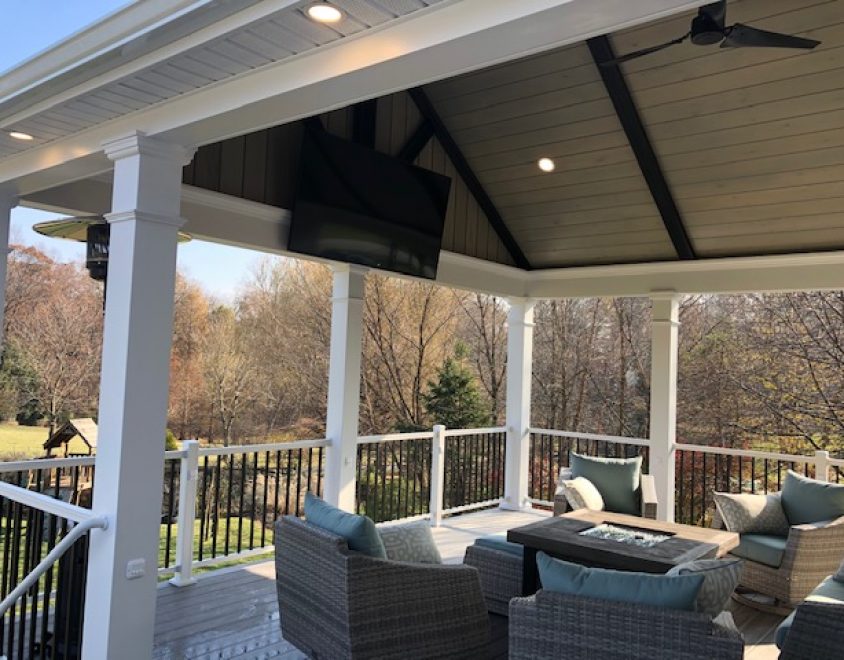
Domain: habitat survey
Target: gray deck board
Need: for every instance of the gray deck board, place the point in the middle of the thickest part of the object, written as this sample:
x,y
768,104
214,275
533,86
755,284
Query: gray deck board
x,y
232,613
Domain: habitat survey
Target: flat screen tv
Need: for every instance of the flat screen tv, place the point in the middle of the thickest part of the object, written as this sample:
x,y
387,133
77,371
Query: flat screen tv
x,y
356,205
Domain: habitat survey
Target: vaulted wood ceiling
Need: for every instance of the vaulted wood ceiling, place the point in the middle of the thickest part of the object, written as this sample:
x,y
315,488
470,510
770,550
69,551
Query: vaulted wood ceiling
x,y
748,141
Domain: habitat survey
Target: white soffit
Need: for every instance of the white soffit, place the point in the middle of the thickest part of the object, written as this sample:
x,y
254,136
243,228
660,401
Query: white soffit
x,y
267,64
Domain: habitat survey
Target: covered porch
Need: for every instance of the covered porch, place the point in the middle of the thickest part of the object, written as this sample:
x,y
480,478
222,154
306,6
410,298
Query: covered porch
x,y
188,118
203,630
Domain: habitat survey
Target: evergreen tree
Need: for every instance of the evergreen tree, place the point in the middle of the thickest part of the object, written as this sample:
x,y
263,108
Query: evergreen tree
x,y
453,398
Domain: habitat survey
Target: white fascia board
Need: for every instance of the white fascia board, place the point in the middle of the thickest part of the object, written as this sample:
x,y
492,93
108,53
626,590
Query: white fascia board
x,y
778,273
440,42
242,223
130,21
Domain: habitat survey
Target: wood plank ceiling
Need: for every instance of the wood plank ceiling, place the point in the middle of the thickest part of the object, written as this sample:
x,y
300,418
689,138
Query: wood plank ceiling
x,y
749,141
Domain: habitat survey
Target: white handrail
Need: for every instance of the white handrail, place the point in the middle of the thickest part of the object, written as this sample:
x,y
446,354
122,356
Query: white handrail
x,y
82,528
750,453
617,439
45,503
453,433
388,437
46,464
270,446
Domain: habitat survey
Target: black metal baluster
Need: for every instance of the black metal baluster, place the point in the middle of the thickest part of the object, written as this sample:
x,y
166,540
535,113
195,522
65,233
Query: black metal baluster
x,y
215,527
169,525
203,504
240,500
254,514
287,483
299,482
264,499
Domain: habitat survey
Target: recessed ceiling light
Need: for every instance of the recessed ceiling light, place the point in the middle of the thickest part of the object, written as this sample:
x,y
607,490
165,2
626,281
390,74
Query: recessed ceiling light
x,y
323,12
546,164
18,135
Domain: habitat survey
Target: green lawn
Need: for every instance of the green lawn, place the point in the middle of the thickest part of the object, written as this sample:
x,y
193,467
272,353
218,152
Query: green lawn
x,y
21,441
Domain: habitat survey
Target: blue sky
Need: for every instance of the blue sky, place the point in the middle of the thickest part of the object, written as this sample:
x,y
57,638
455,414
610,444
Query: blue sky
x,y
37,25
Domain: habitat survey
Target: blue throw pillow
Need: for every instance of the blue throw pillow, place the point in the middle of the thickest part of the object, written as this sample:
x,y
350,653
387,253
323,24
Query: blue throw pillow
x,y
359,531
617,479
677,592
806,500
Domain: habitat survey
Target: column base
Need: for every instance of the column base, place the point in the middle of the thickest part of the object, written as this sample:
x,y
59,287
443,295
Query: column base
x,y
504,505
179,581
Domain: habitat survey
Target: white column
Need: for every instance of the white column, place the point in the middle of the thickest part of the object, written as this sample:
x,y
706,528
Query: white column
x,y
519,375
437,475
822,465
664,331
123,560
8,201
344,386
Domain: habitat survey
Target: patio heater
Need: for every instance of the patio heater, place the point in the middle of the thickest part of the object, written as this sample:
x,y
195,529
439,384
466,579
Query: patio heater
x,y
94,231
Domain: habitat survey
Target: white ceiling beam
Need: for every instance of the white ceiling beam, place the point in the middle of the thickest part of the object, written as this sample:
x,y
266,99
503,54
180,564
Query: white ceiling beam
x,y
441,42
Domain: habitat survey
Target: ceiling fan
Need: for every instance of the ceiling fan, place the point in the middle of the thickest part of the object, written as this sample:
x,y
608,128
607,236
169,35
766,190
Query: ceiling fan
x,y
708,28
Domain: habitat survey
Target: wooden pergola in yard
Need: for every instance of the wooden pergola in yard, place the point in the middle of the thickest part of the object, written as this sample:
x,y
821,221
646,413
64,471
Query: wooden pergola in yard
x,y
693,170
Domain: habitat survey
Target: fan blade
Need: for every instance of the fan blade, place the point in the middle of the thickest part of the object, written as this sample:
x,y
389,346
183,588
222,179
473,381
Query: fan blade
x,y
644,51
717,13
740,36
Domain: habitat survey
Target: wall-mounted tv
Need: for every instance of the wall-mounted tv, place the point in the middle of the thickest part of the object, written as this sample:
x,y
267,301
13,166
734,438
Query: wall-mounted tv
x,y
356,205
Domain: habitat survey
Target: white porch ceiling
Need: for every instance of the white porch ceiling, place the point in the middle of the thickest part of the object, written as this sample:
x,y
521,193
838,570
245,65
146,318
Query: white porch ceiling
x,y
273,36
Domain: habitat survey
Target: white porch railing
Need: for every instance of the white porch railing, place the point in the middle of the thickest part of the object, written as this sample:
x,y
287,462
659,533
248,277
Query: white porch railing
x,y
220,503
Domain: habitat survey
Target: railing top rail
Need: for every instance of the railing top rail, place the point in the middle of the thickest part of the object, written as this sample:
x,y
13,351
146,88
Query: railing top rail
x,y
388,437
618,439
450,433
45,503
750,453
45,464
837,461
271,446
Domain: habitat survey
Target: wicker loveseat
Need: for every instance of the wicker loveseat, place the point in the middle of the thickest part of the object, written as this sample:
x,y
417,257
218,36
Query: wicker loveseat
x,y
552,625
335,603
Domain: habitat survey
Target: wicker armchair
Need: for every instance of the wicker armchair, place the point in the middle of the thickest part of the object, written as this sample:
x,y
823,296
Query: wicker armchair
x,y
816,634
647,490
500,573
812,552
335,603
552,625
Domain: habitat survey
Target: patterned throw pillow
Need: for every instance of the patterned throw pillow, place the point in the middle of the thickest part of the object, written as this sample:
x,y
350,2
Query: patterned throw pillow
x,y
582,494
839,576
411,542
720,579
752,514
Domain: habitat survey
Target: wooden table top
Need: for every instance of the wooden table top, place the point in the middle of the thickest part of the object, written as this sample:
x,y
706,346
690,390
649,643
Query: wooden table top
x,y
560,536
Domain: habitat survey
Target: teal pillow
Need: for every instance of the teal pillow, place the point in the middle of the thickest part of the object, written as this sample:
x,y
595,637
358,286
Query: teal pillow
x,y
806,500
677,592
617,479
359,531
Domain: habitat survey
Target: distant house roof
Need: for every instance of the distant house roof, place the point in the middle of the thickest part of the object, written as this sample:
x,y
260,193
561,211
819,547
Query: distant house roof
x,y
84,427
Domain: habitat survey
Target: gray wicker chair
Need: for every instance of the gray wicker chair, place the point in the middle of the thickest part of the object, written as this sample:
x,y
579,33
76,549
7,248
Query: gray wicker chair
x,y
335,603
647,490
812,552
551,625
817,633
500,573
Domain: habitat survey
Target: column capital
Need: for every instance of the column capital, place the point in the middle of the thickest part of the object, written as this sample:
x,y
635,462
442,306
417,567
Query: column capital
x,y
140,144
8,196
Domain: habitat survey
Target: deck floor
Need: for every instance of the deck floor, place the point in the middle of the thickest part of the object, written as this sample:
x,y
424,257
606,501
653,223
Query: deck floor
x,y
232,613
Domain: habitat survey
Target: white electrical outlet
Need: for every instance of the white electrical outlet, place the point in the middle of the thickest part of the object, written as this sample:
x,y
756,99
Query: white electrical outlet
x,y
136,568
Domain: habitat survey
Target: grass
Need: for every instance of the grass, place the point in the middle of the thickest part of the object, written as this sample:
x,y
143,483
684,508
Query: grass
x,y
21,442
221,540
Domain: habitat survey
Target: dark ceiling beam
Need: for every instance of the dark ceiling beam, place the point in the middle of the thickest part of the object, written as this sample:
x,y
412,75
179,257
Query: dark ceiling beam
x,y
461,165
363,122
637,136
416,142
313,124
